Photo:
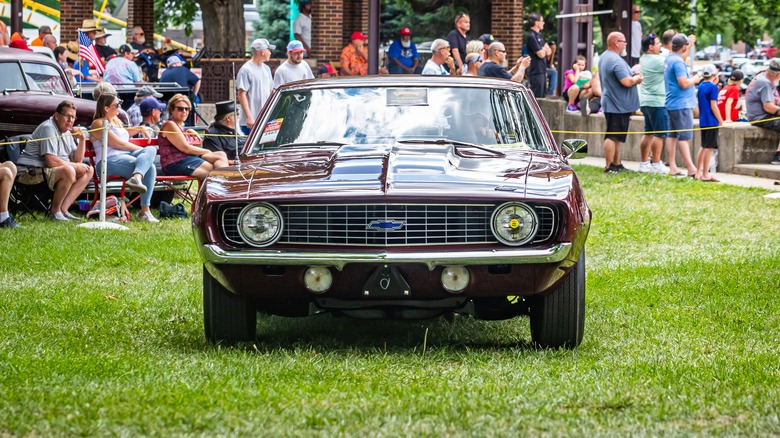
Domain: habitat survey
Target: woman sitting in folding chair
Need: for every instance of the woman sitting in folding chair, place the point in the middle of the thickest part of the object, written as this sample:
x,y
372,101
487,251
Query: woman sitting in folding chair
x,y
180,151
135,163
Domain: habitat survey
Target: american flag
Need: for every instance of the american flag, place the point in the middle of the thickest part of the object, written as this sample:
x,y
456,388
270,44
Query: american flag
x,y
88,52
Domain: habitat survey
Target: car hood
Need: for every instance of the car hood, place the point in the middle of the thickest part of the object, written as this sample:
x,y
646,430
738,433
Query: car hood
x,y
401,170
22,111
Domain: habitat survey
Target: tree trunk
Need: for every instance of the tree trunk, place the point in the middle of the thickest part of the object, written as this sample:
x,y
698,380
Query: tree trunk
x,y
223,27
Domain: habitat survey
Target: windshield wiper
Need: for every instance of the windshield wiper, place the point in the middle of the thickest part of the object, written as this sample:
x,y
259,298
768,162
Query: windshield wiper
x,y
313,143
455,143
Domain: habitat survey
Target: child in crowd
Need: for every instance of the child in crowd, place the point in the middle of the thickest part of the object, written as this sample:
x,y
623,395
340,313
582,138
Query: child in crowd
x,y
577,86
729,104
709,120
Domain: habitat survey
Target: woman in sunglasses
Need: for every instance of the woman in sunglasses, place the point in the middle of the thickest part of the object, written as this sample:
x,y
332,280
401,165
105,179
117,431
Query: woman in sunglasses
x,y
136,163
180,150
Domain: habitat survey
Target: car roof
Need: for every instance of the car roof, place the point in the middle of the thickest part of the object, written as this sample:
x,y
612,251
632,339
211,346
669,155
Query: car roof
x,y
10,54
405,80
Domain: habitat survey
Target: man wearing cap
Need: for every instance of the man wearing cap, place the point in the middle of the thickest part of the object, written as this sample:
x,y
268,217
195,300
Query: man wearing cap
x,y
255,83
122,69
619,98
42,32
761,102
354,57
19,44
177,72
294,69
302,25
402,55
680,101
103,50
151,111
652,98
494,66
222,133
134,112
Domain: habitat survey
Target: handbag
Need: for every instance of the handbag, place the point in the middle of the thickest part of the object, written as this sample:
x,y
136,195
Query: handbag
x,y
116,210
172,211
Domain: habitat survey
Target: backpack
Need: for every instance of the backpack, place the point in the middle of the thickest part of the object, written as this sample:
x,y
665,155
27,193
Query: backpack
x,y
172,211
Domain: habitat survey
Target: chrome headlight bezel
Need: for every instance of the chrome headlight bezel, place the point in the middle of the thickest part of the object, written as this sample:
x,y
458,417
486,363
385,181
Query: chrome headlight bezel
x,y
527,226
276,221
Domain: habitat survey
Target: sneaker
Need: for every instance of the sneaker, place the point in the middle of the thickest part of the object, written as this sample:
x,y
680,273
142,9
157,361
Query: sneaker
x,y
136,185
776,159
658,168
620,168
644,167
147,216
72,216
584,107
572,108
58,217
611,169
9,223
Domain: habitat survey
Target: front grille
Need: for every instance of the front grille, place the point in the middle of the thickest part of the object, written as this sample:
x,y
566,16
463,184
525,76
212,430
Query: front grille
x,y
351,225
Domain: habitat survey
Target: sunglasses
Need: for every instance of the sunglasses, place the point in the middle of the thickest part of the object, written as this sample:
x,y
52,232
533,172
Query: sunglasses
x,y
116,105
181,108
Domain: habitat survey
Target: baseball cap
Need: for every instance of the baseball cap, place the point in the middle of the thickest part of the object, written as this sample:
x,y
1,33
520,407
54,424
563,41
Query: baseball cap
x,y
486,38
709,71
262,44
19,44
295,46
147,91
678,41
405,31
358,36
125,48
774,65
150,103
737,75
173,59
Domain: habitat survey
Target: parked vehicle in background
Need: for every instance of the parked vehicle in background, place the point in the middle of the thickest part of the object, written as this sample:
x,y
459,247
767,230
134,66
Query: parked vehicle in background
x,y
421,196
31,87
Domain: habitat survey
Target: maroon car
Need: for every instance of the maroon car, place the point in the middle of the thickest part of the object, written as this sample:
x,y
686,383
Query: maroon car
x,y
31,87
396,197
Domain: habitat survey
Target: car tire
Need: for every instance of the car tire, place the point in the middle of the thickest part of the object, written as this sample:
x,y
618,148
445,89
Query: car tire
x,y
227,317
558,319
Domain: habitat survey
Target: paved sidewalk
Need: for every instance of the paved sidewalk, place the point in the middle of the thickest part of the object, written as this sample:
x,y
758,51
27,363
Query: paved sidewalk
x,y
724,178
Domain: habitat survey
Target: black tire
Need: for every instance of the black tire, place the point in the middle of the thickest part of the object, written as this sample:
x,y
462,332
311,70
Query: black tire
x,y
226,316
558,319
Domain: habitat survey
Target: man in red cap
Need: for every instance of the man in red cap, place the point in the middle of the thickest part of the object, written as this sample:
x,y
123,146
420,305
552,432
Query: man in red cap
x,y
19,44
354,57
402,55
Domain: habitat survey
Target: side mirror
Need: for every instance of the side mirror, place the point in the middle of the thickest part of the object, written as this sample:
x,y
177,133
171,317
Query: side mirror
x,y
574,148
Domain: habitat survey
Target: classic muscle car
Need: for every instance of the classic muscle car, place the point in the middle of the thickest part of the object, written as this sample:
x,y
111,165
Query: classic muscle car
x,y
396,197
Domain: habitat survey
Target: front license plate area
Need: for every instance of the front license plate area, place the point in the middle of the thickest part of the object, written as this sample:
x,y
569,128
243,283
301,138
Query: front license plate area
x,y
386,281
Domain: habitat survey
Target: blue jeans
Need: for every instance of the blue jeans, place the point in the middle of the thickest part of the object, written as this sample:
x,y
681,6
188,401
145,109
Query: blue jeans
x,y
140,161
552,77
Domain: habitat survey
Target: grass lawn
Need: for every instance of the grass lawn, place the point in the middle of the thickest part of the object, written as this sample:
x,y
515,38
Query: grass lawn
x,y
102,334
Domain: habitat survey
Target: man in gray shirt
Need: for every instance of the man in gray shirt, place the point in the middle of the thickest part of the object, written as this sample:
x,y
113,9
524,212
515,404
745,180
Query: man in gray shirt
x,y
52,155
762,101
619,98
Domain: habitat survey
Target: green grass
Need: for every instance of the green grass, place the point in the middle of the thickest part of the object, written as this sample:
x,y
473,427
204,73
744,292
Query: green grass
x,y
101,334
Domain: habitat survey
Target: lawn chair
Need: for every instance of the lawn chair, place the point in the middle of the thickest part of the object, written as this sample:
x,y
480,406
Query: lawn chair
x,y
25,198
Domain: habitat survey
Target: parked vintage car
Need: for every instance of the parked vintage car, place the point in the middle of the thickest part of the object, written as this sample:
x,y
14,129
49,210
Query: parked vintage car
x,y
396,197
31,87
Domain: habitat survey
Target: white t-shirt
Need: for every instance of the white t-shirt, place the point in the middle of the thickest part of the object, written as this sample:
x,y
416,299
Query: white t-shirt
x,y
302,26
258,82
636,39
432,68
288,72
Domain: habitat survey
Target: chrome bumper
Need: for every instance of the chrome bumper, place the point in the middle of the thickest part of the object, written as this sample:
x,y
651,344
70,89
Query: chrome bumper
x,y
512,256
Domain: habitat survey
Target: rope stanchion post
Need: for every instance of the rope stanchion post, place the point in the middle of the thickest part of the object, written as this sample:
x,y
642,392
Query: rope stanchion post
x,y
102,224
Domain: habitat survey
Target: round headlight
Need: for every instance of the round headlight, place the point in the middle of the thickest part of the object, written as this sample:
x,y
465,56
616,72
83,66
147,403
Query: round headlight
x,y
514,223
260,224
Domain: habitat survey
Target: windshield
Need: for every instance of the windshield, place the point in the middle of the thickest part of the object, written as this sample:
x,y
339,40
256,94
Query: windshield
x,y
490,117
32,76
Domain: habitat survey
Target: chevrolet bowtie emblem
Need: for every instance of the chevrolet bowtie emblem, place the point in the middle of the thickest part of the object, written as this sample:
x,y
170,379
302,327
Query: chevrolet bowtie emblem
x,y
391,225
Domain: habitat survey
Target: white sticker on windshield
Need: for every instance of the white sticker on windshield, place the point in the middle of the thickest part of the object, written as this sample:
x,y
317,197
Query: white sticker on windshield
x,y
271,131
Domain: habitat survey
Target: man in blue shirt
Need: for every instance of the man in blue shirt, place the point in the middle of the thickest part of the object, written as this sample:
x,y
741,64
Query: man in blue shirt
x,y
402,55
619,99
680,101
177,72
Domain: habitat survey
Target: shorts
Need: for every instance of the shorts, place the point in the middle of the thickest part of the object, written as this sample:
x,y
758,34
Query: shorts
x,y
36,175
709,138
656,121
681,124
773,125
617,126
183,167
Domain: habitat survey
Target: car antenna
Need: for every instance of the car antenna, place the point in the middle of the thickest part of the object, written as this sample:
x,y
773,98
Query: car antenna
x,y
235,106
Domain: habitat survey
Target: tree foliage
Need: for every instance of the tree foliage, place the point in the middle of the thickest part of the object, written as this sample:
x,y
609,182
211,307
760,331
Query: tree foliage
x,y
274,25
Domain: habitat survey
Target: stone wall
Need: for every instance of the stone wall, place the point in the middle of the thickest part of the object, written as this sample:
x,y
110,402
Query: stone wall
x,y
739,143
